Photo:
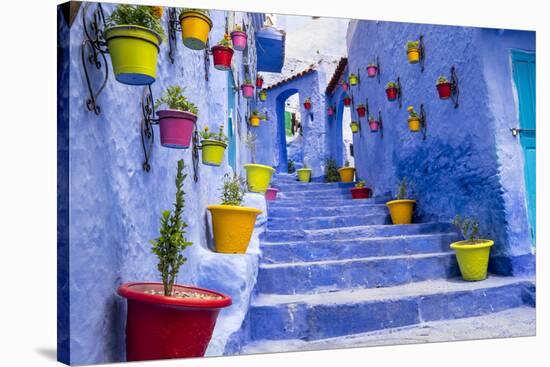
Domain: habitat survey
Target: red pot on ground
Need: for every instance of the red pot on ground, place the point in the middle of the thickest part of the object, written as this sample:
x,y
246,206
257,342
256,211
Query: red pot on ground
x,y
371,71
360,192
222,57
374,126
444,90
307,105
391,93
159,327
361,111
259,82
347,101
248,90
176,128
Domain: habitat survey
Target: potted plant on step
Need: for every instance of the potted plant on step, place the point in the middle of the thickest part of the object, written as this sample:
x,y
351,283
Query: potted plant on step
x,y
255,118
374,124
133,35
413,51
372,70
391,91
473,253
262,95
247,88
232,223
259,81
347,101
223,54
304,173
360,191
307,103
176,123
271,194
353,79
331,171
361,110
413,120
239,38
167,320
354,126
443,87
346,172
291,168
195,27
401,209
213,146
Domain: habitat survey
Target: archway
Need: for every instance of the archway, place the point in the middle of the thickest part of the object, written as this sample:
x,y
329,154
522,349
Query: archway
x,y
288,122
342,137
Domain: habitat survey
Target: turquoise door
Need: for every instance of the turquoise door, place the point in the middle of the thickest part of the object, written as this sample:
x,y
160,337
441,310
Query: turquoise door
x,y
232,148
523,64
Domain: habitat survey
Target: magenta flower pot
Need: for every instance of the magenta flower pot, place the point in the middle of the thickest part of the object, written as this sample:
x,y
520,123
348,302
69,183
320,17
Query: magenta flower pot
x,y
239,40
248,90
176,128
371,71
345,87
374,126
271,194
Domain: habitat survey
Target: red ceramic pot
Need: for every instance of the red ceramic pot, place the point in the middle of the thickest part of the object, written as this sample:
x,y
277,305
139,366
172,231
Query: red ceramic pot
x,y
248,90
361,111
444,90
360,192
239,40
259,82
222,57
271,194
159,327
307,105
176,128
347,101
374,126
371,71
391,93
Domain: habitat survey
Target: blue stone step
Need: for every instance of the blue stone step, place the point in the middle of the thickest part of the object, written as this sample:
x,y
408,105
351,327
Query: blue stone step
x,y
327,222
326,315
357,248
324,202
300,186
313,194
370,272
356,207
284,235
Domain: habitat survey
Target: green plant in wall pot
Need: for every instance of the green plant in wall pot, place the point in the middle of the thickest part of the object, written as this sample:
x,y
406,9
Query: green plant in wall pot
x,y
185,315
331,170
401,209
472,253
133,35
232,223
413,51
304,173
255,118
222,53
413,120
213,146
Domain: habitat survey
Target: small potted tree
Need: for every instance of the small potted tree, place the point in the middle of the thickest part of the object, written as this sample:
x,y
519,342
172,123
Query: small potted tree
x,y
262,95
195,27
354,126
391,91
259,81
177,122
473,253
213,146
304,173
413,51
307,103
239,38
346,173
248,88
401,209
443,87
255,118
361,110
374,124
413,120
133,35
167,320
331,171
223,54
232,223
360,191
347,101
372,70
353,79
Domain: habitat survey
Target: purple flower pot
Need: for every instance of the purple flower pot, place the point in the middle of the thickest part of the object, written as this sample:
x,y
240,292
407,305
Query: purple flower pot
x,y
271,194
248,90
176,128
239,40
374,125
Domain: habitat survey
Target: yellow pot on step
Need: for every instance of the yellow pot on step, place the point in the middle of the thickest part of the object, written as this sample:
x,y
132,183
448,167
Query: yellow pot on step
x,y
346,174
258,177
414,124
413,54
473,258
195,27
212,152
401,211
232,227
304,174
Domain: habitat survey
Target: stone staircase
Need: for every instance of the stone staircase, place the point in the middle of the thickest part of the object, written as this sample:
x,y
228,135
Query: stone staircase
x,y
334,267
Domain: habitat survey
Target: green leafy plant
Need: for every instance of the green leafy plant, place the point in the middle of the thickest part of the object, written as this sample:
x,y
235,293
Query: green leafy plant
x,y
412,45
257,113
402,189
469,228
372,65
371,118
331,170
247,81
226,41
250,142
233,190
307,100
237,28
219,136
360,105
391,85
352,76
412,112
141,15
171,243
173,97
360,184
290,166
442,80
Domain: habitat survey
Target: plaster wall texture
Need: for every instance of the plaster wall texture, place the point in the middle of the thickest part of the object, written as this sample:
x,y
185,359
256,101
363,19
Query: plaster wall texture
x,y
115,206
469,163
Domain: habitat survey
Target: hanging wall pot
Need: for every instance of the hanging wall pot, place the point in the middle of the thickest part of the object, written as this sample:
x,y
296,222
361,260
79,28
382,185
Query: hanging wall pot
x,y
259,81
223,54
354,125
195,27
391,91
239,38
353,79
347,101
372,70
443,87
213,146
262,95
307,104
413,52
374,124
247,89
361,110
255,118
345,86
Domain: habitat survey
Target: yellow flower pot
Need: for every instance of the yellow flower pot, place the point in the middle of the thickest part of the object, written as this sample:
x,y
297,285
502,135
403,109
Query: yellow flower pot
x,y
346,174
134,52
232,227
212,152
254,121
258,177
401,211
353,80
304,174
413,54
354,128
195,27
414,124
473,258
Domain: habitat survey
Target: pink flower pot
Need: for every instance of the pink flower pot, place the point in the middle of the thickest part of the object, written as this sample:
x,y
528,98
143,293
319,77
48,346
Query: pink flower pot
x,y
374,126
248,90
271,194
176,128
239,40
371,71
345,87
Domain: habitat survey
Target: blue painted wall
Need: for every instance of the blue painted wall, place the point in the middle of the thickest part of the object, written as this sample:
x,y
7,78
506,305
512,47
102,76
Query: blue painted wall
x,y
469,164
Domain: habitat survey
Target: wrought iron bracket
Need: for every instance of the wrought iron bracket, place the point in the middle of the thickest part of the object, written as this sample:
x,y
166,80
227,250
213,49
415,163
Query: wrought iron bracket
x,y
380,124
195,153
399,92
455,91
173,27
423,125
92,52
207,53
147,122
422,50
